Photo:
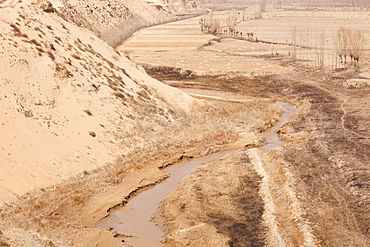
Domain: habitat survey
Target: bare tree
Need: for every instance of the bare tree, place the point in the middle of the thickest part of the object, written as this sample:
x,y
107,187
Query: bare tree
x,y
293,53
209,24
350,44
308,48
263,4
258,14
231,21
343,43
357,43
261,9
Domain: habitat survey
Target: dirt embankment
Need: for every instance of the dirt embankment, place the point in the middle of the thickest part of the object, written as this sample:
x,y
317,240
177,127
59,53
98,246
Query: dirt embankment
x,y
115,21
65,98
318,183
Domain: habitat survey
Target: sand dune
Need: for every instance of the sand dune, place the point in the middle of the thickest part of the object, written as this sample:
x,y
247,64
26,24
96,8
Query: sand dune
x,y
68,101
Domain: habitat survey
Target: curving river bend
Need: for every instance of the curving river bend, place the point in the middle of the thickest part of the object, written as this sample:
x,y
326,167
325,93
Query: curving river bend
x,y
136,218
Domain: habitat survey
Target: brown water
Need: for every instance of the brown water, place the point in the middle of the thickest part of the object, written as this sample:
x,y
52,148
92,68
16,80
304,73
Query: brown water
x,y
271,137
136,217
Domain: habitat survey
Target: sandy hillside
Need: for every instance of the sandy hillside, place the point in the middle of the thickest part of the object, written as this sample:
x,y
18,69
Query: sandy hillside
x,y
68,101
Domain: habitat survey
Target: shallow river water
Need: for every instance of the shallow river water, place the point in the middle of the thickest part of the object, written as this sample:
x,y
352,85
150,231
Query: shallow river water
x,y
136,217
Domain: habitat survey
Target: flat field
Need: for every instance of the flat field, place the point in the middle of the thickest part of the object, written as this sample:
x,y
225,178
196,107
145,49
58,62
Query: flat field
x,y
183,44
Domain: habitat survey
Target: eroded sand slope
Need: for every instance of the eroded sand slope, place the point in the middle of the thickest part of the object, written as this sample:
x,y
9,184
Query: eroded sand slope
x,y
68,101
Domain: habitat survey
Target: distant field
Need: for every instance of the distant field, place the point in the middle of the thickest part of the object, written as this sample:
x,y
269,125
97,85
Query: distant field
x,y
311,29
183,45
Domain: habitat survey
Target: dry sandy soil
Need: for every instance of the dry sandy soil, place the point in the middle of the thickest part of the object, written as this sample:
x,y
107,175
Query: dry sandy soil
x,y
183,45
314,191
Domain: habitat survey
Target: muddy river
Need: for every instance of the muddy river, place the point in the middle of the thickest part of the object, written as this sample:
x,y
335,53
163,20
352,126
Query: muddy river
x,y
136,218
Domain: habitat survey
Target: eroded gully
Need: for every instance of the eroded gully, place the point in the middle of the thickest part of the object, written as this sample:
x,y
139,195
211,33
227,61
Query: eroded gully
x,y
135,219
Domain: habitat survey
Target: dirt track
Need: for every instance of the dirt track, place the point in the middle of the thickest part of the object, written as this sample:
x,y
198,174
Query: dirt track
x,y
326,164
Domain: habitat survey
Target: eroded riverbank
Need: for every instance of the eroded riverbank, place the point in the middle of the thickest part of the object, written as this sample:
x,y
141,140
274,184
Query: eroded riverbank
x,y
136,218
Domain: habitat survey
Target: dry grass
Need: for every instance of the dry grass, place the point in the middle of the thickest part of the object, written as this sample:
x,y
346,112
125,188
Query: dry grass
x,y
170,71
3,242
57,211
51,55
17,31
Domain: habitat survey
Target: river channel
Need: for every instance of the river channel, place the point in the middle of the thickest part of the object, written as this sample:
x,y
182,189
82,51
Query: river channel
x,y
135,219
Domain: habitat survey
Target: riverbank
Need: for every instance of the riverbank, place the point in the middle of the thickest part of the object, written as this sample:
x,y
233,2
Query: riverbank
x,y
86,198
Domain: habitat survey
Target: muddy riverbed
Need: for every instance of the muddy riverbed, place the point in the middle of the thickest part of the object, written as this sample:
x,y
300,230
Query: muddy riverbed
x,y
136,219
